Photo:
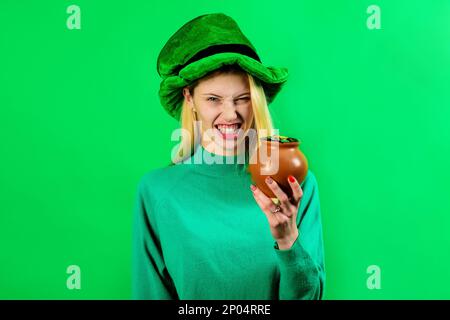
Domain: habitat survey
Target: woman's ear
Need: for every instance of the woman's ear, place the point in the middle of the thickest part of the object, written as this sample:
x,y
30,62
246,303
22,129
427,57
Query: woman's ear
x,y
187,96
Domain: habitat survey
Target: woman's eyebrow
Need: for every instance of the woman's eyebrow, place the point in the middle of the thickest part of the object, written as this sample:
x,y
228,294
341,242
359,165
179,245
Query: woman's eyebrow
x,y
213,94
242,94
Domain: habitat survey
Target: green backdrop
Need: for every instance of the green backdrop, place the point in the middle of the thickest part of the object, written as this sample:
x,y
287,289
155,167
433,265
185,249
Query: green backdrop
x,y
80,123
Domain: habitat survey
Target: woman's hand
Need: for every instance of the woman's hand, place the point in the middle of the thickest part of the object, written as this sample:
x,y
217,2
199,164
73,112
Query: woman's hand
x,y
282,217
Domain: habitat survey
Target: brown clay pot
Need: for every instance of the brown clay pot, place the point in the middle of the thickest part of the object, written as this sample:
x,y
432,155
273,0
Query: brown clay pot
x,y
291,161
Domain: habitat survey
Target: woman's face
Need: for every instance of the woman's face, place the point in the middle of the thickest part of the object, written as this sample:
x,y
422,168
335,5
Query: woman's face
x,y
223,106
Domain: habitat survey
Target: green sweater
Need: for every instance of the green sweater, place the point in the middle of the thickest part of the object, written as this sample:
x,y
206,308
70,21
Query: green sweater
x,y
199,234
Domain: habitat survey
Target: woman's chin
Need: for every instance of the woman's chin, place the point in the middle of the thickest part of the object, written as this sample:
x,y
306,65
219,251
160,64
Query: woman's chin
x,y
226,141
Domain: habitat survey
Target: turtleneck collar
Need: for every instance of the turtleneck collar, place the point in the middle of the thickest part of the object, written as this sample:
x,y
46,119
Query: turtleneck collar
x,y
217,165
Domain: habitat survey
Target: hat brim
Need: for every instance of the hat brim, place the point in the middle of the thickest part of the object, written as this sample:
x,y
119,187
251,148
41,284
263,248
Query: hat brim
x,y
171,95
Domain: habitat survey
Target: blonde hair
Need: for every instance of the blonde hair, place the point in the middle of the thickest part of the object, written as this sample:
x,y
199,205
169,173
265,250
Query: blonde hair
x,y
261,122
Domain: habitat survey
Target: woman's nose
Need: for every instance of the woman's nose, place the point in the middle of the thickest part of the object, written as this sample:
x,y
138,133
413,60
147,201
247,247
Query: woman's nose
x,y
229,112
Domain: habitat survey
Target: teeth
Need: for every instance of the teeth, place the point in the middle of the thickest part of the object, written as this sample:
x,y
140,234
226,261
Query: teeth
x,y
228,129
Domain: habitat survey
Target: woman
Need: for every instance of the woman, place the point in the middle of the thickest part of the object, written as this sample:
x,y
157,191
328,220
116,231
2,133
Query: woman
x,y
201,229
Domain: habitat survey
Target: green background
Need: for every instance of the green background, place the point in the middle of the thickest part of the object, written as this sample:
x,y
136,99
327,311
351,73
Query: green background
x,y
80,123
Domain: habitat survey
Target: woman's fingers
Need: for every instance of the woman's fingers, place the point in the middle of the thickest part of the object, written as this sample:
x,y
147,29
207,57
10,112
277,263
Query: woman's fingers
x,y
279,193
267,206
282,222
296,190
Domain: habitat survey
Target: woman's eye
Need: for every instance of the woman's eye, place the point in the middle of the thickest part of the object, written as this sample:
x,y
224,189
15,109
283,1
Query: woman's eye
x,y
213,99
243,99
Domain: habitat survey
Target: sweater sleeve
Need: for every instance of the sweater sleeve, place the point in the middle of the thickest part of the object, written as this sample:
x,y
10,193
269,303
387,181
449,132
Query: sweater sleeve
x,y
302,273
150,278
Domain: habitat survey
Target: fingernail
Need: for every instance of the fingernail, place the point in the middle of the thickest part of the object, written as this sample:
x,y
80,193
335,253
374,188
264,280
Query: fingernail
x,y
252,187
269,180
291,179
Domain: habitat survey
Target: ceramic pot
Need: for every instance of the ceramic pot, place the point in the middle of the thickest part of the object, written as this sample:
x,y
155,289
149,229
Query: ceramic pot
x,y
277,157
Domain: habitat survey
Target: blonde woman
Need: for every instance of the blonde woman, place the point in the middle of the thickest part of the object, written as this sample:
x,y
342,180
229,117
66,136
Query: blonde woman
x,y
201,229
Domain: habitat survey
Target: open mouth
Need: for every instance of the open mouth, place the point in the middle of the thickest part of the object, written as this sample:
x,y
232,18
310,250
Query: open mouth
x,y
228,131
